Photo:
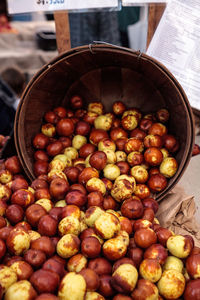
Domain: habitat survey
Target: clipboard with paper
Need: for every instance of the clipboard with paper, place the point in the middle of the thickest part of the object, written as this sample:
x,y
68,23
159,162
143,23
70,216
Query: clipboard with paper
x,y
176,44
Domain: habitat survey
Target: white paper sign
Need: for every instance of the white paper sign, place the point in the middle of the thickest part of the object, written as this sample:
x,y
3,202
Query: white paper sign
x,y
25,6
137,2
176,44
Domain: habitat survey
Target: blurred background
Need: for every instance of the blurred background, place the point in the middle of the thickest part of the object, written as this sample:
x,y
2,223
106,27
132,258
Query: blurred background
x,y
28,41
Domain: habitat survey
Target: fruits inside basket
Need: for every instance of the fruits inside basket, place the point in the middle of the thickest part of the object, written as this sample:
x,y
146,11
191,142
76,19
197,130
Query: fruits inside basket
x,y
106,74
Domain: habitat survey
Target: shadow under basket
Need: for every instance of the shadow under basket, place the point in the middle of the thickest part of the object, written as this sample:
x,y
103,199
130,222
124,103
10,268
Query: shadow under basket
x,y
104,73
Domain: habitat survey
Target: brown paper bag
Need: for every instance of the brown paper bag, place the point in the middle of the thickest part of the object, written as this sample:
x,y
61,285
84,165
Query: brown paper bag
x,y
177,212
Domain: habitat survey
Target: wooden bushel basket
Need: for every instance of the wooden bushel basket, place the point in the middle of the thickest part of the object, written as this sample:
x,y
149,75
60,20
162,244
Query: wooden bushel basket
x,y
105,73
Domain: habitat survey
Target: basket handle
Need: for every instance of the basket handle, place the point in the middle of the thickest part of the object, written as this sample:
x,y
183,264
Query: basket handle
x,y
94,43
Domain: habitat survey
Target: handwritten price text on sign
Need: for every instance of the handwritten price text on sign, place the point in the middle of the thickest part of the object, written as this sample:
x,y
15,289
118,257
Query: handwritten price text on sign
x,y
24,6
138,2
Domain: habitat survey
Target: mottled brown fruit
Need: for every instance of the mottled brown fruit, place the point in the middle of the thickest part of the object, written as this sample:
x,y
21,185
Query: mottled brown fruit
x,y
45,281
90,247
145,237
91,279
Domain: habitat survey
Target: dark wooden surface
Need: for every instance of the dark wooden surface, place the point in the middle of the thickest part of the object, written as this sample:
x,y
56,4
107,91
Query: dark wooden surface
x,y
62,31
155,13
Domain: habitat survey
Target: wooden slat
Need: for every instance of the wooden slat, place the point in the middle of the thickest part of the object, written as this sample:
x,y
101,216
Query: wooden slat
x,y
62,31
155,13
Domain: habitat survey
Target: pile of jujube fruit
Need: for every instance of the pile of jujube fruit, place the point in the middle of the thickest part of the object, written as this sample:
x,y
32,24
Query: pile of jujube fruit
x,y
85,228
